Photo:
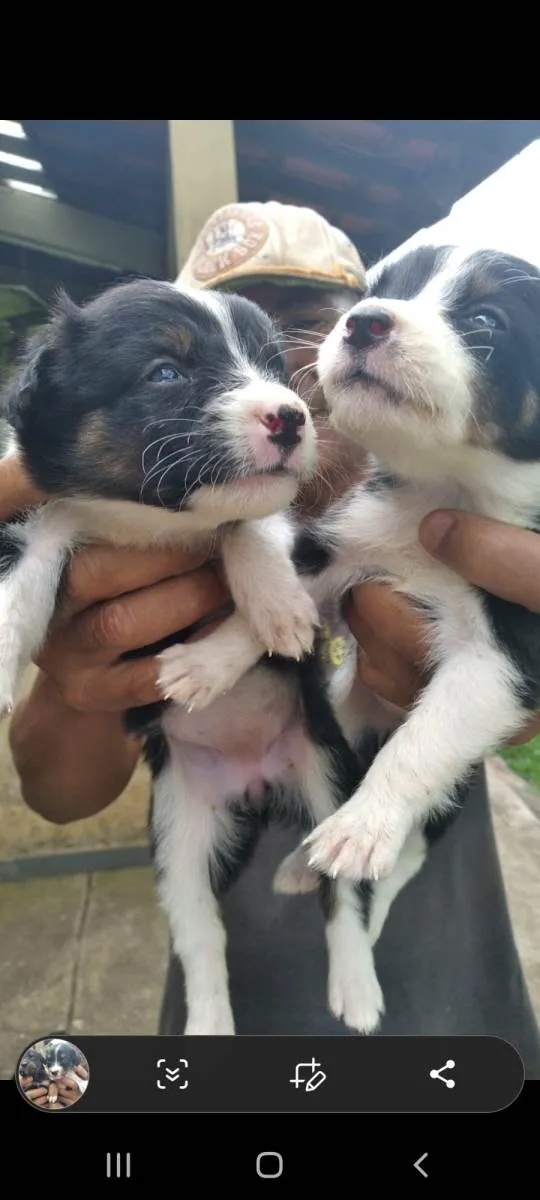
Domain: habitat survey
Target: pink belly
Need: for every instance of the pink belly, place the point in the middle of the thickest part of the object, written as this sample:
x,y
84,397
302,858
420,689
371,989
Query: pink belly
x,y
243,741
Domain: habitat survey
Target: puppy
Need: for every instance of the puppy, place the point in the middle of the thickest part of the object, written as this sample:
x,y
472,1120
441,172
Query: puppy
x,y
32,1068
436,371
156,417
61,1060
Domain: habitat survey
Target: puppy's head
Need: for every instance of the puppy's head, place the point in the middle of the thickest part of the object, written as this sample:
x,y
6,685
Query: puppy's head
x,y
61,1057
444,350
174,399
32,1066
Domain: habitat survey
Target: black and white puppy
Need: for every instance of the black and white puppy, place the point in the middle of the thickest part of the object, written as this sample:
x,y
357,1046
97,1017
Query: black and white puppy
x,y
156,417
61,1060
437,373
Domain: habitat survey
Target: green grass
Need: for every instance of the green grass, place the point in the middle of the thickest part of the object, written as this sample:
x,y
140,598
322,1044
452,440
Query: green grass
x,y
525,761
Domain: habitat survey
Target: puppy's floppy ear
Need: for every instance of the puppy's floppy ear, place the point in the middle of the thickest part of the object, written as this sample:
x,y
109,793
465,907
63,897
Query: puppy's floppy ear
x,y
35,378
28,379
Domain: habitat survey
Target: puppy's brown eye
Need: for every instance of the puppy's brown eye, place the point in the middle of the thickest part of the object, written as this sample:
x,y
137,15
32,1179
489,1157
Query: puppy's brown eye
x,y
166,373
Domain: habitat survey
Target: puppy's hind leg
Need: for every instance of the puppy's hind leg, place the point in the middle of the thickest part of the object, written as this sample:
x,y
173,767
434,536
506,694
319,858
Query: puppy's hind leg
x,y
195,844
386,891
354,992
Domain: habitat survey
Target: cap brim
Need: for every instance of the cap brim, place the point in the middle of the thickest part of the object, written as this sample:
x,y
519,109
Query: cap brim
x,y
285,277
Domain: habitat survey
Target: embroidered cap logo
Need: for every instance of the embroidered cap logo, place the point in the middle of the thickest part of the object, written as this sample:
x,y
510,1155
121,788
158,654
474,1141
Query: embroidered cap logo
x,y
231,239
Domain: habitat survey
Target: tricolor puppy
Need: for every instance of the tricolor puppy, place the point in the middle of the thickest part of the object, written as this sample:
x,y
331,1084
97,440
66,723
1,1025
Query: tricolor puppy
x,y
34,1072
32,1067
437,372
156,417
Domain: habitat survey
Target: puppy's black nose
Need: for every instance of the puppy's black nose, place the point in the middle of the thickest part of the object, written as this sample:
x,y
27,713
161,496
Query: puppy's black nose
x,y
283,426
365,327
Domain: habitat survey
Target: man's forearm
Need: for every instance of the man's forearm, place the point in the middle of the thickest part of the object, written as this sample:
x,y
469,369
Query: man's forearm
x,y
71,764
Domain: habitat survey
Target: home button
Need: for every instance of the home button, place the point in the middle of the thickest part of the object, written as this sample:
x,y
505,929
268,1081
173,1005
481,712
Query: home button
x,y
269,1165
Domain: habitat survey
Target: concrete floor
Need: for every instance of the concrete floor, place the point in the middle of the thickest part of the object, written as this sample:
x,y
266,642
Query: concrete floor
x,y
95,945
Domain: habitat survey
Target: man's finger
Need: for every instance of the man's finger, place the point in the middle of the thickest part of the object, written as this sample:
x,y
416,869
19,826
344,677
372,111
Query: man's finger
x,y
500,558
141,618
17,492
529,731
101,572
388,675
126,685
392,618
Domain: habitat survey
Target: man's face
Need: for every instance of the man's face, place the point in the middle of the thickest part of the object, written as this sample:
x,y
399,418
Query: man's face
x,y
305,315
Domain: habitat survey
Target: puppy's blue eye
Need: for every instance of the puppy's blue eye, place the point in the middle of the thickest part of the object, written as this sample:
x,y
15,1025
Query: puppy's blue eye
x,y
165,374
486,318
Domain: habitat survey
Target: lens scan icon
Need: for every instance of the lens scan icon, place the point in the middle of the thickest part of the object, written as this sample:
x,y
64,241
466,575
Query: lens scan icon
x,y
52,1074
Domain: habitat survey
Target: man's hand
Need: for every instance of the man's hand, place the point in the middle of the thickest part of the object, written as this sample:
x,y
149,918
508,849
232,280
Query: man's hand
x,y
68,1092
17,492
117,601
39,1095
392,643
497,557
120,600
66,736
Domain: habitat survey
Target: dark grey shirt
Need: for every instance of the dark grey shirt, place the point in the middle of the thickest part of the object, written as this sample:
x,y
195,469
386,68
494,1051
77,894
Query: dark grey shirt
x,y
446,959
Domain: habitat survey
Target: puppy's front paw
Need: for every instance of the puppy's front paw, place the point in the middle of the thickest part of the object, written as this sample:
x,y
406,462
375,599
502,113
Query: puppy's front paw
x,y
286,624
361,841
191,676
294,876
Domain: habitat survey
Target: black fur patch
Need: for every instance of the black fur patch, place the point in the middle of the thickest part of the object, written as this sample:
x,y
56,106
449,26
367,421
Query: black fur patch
x,y
517,630
328,897
347,768
311,554
11,549
231,855
506,356
156,752
406,277
382,481
439,823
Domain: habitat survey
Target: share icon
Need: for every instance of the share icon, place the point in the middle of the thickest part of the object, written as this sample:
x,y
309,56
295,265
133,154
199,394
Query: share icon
x,y
438,1073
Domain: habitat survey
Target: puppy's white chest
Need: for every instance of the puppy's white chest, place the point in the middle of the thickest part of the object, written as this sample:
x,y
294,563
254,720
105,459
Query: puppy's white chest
x,y
377,536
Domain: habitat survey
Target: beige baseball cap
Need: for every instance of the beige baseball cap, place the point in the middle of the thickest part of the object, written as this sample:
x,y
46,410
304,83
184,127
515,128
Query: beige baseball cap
x,y
271,242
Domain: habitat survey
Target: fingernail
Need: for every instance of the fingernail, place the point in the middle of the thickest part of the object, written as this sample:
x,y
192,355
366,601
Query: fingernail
x,y
435,530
